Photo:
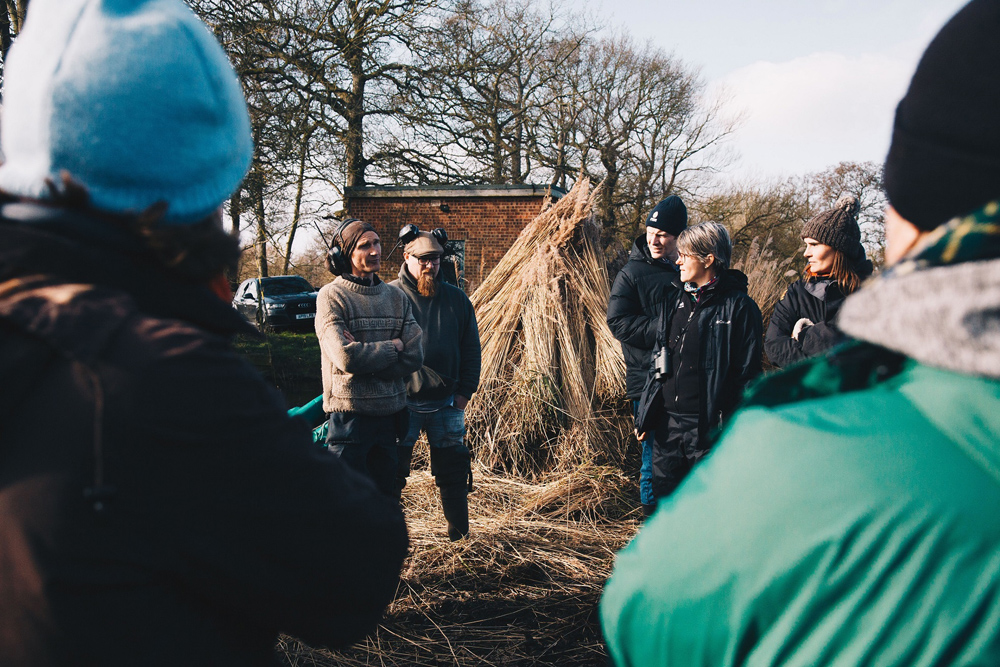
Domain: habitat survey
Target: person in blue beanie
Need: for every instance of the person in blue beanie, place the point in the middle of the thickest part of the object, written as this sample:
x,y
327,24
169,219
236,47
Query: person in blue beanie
x,y
849,513
158,506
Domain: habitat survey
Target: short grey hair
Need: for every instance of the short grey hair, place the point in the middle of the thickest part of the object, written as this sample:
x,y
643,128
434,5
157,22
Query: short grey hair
x,y
708,238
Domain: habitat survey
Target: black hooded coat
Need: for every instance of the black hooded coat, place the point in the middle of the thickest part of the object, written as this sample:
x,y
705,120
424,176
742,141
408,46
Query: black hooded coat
x,y
157,504
817,300
723,333
639,292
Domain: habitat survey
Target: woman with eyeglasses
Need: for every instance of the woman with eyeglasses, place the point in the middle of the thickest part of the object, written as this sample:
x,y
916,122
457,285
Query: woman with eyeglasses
x,y
709,349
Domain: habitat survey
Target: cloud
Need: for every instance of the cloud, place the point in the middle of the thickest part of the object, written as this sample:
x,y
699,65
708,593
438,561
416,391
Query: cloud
x,y
815,111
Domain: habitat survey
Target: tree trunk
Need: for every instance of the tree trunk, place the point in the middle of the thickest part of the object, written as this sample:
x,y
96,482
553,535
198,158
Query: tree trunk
x,y
297,210
261,233
235,210
355,107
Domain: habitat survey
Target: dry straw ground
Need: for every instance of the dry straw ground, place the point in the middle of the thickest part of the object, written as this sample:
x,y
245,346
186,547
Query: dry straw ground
x,y
522,589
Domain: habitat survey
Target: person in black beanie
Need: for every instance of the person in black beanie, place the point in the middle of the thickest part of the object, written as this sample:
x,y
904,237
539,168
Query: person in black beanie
x,y
649,279
802,324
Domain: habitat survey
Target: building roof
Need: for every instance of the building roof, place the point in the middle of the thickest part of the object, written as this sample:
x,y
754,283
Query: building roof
x,y
451,191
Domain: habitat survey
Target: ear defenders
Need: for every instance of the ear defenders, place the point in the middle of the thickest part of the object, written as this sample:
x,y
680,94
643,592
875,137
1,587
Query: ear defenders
x,y
337,259
409,232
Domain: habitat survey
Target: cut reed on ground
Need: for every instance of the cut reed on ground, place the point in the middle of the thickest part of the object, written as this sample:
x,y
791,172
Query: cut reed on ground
x,y
522,589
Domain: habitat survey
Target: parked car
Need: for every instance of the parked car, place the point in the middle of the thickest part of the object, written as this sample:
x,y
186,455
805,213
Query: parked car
x,y
277,302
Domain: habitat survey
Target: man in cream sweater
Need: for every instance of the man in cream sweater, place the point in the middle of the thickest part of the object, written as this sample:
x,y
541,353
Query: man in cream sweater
x,y
369,343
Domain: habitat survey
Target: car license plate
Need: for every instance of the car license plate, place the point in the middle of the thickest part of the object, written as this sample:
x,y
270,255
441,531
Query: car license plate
x,y
305,316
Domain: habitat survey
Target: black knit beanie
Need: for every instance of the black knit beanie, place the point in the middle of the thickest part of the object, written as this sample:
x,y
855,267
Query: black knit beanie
x,y
838,227
670,216
944,160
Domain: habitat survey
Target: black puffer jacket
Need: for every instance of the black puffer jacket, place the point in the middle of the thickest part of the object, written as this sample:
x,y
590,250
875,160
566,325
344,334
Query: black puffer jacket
x,y
222,524
817,300
640,289
729,332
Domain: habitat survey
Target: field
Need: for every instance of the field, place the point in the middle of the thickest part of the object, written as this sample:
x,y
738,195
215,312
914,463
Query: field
x,y
522,589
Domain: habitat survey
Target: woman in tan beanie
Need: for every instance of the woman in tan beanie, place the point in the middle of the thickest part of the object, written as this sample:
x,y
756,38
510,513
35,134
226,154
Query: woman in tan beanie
x,y
802,324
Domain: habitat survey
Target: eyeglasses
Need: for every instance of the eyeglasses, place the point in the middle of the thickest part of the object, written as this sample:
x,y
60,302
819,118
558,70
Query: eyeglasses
x,y
428,261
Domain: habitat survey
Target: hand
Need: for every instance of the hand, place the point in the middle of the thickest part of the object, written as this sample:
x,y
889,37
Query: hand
x,y
639,436
800,326
461,401
349,336
398,344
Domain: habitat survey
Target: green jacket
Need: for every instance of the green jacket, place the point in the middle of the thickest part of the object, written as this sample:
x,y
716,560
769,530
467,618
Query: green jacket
x,y
850,514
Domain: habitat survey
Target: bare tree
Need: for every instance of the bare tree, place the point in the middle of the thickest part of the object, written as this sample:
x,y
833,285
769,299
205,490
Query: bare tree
x,y
642,126
770,215
487,69
12,16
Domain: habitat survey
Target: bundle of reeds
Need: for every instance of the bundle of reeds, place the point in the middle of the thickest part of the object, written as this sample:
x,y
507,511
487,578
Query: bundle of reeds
x,y
552,383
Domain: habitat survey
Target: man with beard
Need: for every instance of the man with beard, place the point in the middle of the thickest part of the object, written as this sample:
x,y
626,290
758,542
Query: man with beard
x,y
438,393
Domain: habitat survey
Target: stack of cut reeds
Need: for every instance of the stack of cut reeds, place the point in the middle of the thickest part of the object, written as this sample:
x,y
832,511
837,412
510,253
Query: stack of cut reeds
x,y
551,394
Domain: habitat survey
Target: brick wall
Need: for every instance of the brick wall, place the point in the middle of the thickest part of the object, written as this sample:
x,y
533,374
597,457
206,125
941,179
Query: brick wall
x,y
488,225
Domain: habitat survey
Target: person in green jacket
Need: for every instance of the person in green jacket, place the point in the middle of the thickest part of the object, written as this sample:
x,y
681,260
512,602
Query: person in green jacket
x,y
850,513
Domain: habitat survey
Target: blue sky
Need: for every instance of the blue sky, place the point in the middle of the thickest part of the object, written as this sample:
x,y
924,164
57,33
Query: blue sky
x,y
815,81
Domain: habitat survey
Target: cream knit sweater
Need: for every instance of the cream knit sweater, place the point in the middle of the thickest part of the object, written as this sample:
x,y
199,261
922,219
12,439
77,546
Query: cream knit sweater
x,y
366,376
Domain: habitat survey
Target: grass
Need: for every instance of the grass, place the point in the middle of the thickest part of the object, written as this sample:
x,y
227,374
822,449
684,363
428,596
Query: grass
x,y
289,361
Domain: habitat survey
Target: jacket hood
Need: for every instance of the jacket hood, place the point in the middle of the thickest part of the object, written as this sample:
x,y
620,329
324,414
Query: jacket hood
x,y
640,253
940,306
734,280
864,268
59,287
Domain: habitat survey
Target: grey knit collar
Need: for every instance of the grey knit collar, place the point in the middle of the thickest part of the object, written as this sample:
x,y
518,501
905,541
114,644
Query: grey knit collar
x,y
943,316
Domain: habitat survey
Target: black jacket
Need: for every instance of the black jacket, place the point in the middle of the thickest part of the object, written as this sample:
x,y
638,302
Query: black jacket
x,y
220,523
452,353
817,300
729,330
640,289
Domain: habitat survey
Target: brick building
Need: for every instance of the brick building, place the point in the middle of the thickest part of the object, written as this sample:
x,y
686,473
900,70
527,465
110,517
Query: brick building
x,y
482,221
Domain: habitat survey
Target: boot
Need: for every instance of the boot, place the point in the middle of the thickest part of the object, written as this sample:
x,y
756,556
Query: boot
x,y
455,503
647,510
404,455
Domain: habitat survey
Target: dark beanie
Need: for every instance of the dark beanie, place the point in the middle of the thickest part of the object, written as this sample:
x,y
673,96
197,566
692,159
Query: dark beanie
x,y
944,160
670,216
838,227
352,232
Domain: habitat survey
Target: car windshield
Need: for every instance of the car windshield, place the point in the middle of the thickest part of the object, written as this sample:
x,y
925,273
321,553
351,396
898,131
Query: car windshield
x,y
285,286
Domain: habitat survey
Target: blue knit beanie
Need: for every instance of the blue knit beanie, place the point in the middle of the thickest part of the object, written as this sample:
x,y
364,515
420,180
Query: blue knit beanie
x,y
134,98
